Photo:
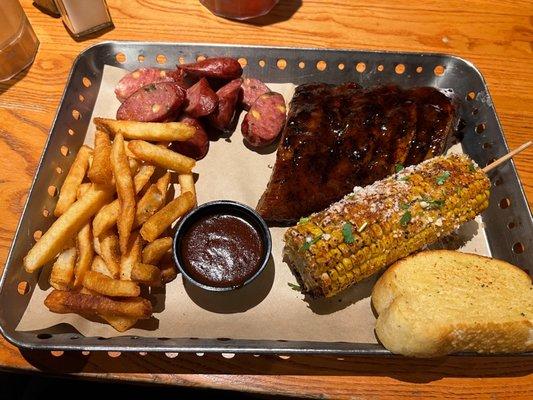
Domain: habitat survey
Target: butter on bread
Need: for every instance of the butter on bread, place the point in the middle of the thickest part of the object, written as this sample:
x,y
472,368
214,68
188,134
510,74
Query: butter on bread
x,y
440,302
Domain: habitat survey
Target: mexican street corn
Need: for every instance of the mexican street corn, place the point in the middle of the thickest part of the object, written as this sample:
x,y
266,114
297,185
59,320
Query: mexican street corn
x,y
374,226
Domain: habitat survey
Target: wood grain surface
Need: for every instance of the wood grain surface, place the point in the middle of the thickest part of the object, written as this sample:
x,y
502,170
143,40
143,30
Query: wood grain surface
x,y
497,36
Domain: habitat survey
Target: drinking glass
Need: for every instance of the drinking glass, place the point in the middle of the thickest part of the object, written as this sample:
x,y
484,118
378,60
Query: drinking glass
x,y
239,9
18,43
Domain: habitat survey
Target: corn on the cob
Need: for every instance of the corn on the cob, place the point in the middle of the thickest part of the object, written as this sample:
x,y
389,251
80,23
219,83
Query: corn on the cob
x,y
374,226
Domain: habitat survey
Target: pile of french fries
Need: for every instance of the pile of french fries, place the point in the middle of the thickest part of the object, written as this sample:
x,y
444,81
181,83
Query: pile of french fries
x,y
112,240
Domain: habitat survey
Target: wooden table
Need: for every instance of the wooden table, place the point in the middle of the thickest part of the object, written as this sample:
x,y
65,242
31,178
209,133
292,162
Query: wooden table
x,y
496,35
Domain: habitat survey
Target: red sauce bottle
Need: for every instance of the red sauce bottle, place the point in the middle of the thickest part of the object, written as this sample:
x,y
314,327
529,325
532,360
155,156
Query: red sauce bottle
x,y
239,9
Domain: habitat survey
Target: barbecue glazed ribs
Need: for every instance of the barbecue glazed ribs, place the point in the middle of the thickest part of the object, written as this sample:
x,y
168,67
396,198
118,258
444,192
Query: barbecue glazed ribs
x,y
338,137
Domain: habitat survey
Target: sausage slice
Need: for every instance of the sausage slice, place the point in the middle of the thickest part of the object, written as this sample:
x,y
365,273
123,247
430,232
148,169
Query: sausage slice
x,y
135,80
156,102
265,120
201,99
227,101
196,147
216,67
252,88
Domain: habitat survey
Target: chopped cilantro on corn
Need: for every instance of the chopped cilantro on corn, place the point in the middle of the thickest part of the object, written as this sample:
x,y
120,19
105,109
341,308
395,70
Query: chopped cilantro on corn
x,y
387,220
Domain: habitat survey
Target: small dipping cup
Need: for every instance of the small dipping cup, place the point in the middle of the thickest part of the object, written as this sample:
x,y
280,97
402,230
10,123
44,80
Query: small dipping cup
x,y
222,209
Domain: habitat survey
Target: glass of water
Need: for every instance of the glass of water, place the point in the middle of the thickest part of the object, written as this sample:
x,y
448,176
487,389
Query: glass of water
x,y
18,43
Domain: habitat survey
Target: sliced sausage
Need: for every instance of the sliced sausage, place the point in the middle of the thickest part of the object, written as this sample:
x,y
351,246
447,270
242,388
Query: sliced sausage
x,y
135,80
252,88
201,99
196,147
265,120
216,67
227,100
156,102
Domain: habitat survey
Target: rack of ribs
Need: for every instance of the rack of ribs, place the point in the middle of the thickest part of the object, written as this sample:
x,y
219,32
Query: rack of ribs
x,y
339,137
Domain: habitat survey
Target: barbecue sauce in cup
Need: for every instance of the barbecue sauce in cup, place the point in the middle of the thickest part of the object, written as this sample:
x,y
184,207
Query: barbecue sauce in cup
x,y
221,250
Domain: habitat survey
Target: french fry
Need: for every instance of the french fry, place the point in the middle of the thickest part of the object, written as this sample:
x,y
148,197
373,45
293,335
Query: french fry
x,y
128,151
163,182
105,285
82,189
110,252
161,157
150,131
169,272
99,265
84,290
131,257
84,245
142,177
71,242
62,275
104,268
186,182
121,324
80,303
168,268
96,245
162,219
76,173
153,252
85,251
148,205
67,226
107,216
133,163
100,170
125,191
147,274
153,199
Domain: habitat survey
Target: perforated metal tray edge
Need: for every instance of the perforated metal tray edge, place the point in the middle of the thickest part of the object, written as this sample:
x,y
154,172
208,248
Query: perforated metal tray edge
x,y
482,146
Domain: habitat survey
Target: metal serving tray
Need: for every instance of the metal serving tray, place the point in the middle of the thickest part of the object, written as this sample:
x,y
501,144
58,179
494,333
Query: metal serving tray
x,y
508,220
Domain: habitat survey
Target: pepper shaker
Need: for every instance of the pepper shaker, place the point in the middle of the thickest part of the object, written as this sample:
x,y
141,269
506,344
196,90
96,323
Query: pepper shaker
x,y
83,17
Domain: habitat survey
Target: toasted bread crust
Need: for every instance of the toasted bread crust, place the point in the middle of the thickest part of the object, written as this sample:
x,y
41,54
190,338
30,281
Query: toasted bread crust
x,y
403,329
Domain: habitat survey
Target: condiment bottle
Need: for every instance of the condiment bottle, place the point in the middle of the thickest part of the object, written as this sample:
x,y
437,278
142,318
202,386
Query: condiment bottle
x,y
83,17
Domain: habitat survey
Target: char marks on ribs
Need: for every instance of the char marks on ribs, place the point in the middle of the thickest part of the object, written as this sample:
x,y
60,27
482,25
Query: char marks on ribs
x,y
338,137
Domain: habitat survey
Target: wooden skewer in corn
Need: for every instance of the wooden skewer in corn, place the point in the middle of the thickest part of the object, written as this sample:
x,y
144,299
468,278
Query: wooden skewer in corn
x,y
323,269
506,157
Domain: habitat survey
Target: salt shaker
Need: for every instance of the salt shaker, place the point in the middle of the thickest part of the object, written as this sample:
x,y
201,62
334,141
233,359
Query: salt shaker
x,y
83,17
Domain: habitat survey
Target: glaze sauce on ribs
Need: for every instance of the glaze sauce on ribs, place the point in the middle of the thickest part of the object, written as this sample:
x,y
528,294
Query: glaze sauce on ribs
x,y
338,137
